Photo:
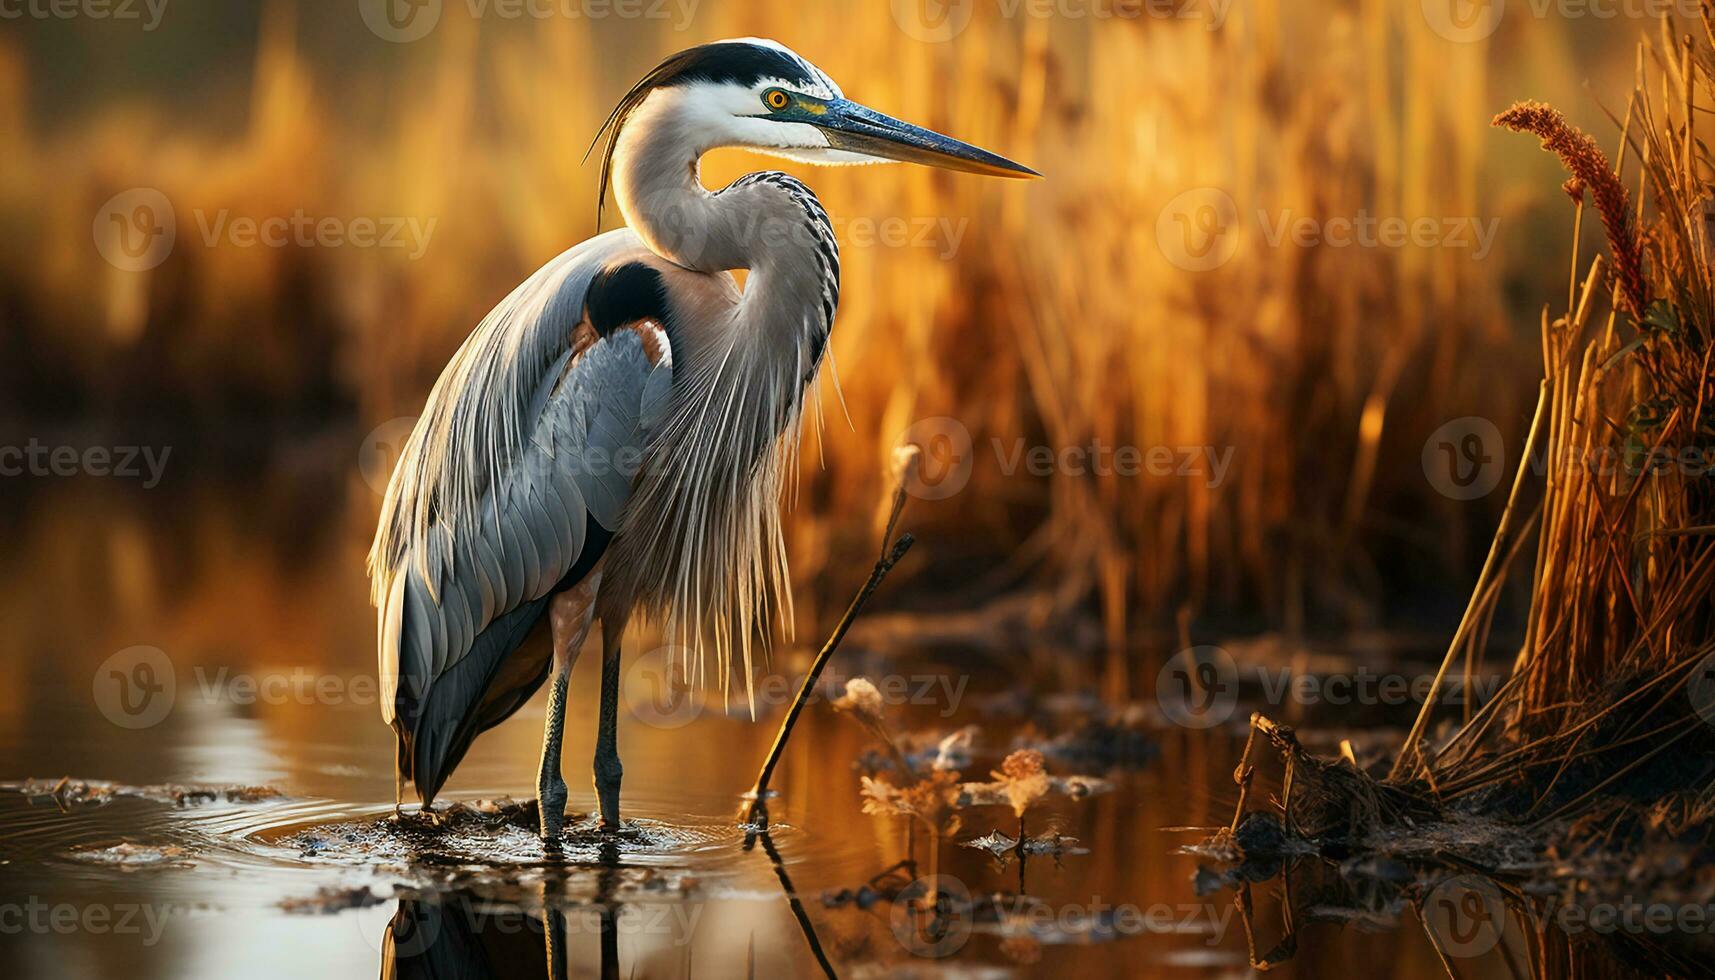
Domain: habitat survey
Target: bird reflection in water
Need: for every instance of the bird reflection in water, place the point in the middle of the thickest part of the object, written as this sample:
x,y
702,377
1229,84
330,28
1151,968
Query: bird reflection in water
x,y
460,934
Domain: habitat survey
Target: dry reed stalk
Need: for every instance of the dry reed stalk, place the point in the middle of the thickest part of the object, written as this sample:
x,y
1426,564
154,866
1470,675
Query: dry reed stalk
x,y
1621,591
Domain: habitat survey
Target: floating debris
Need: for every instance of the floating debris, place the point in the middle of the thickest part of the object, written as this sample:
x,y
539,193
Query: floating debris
x,y
995,793
330,899
1000,845
67,792
130,856
922,750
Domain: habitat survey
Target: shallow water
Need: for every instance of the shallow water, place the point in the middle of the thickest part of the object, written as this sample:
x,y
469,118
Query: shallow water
x,y
267,586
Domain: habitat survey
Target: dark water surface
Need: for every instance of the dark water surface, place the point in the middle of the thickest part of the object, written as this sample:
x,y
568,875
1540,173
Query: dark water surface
x,y
266,587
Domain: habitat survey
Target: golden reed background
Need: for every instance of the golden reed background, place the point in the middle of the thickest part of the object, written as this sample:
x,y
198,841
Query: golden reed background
x,y
1062,316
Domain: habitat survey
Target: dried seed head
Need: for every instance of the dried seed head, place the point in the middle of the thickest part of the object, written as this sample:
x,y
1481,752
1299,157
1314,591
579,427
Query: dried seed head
x,y
1024,779
1579,153
861,699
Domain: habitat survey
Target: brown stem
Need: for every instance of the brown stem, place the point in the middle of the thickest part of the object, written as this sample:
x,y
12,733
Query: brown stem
x,y
756,806
1406,763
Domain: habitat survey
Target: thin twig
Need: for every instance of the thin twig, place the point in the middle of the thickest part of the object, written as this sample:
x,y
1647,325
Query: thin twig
x,y
797,906
1406,762
756,806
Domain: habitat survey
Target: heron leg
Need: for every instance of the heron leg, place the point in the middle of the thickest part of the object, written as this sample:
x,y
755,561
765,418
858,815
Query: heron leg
x,y
608,770
569,616
550,788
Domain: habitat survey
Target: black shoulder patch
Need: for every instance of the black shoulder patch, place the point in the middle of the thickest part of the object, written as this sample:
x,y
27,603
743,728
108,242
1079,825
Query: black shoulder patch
x,y
626,293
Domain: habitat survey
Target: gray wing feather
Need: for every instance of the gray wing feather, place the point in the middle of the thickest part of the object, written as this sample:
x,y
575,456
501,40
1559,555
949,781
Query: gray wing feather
x,y
591,415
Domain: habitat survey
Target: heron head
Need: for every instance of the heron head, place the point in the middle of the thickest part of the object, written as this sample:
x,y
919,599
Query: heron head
x,y
760,95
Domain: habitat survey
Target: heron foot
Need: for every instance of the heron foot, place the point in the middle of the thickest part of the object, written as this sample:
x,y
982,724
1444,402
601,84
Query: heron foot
x,y
608,773
551,802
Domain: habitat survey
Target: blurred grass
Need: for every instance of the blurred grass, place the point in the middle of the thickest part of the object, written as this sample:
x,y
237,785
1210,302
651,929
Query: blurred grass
x,y
1059,319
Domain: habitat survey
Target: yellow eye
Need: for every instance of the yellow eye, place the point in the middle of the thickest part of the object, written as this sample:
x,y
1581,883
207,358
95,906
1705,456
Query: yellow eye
x,y
775,99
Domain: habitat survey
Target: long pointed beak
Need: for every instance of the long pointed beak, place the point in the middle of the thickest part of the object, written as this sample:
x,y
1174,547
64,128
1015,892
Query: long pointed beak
x,y
860,129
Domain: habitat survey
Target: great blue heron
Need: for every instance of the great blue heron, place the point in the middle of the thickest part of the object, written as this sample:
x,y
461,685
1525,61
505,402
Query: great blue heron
x,y
614,436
